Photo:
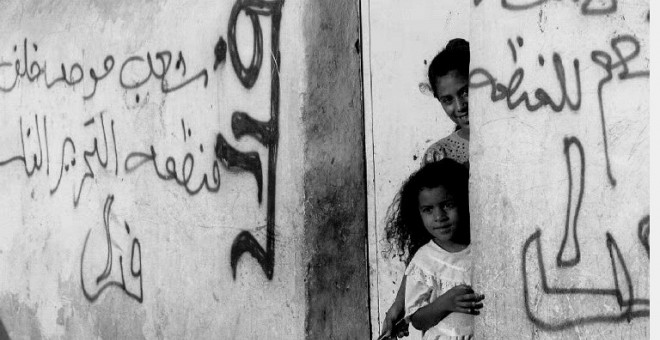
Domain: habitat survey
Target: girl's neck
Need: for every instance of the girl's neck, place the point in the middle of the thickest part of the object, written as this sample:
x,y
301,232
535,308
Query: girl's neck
x,y
464,133
450,246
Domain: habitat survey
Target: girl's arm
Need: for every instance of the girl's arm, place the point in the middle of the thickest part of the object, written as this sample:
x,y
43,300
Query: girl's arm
x,y
395,313
399,304
460,299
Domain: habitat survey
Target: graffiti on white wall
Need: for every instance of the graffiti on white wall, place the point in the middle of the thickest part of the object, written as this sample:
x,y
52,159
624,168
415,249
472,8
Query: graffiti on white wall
x,y
71,163
622,66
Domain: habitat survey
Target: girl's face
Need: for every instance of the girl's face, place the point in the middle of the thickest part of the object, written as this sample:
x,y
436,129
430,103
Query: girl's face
x,y
440,214
452,92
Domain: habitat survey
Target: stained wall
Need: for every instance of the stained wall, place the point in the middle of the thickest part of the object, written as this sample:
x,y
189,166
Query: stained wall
x,y
153,168
559,109
559,156
402,117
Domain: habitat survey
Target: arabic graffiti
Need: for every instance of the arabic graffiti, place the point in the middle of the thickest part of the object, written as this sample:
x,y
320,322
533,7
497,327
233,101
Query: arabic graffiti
x,y
32,158
266,133
480,77
643,233
623,294
89,173
75,73
242,125
94,151
165,58
500,91
23,158
587,276
136,159
109,278
588,7
571,225
604,60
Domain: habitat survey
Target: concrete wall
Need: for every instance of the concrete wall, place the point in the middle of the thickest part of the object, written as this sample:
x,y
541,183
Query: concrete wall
x,y
337,287
559,111
402,116
160,167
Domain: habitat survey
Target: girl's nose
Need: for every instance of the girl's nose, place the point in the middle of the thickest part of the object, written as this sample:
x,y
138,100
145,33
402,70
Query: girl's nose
x,y
440,214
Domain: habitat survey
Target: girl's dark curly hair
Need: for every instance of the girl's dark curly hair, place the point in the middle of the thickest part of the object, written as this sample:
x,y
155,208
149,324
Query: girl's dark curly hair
x,y
455,56
404,228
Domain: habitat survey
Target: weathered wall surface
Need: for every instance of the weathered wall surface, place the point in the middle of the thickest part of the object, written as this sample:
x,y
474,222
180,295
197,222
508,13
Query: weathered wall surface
x,y
152,168
402,116
559,112
337,289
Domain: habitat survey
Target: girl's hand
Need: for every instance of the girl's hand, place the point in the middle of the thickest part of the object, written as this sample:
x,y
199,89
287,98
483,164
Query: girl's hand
x,y
394,325
459,299
463,299
391,329
435,155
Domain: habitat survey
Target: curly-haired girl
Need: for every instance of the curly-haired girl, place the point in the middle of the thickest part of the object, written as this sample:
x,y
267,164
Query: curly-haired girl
x,y
429,227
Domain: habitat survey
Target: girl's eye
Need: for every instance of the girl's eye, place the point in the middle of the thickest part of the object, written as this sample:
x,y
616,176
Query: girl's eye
x,y
450,205
464,94
445,101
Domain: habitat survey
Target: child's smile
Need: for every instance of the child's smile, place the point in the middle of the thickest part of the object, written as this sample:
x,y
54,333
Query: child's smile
x,y
440,215
452,92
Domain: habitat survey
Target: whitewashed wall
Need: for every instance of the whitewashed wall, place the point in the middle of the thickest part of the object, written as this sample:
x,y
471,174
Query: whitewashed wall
x,y
402,116
559,156
560,199
120,208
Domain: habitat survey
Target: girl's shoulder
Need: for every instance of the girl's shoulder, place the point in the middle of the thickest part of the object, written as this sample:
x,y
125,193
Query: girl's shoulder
x,y
441,142
431,256
453,146
423,254
432,264
421,267
454,140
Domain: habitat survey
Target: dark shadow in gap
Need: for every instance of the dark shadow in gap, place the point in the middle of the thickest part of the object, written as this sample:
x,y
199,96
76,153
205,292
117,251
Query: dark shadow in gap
x,y
3,332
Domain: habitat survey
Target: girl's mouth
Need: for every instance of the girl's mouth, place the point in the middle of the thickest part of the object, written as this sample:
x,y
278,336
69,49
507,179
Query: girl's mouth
x,y
463,118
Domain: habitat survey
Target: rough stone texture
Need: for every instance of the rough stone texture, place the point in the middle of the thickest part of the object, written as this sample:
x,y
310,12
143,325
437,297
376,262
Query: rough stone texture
x,y
335,193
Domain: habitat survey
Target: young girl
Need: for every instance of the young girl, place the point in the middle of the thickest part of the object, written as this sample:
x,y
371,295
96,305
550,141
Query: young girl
x,y
448,76
430,222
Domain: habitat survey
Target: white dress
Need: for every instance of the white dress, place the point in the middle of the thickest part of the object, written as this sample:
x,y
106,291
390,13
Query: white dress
x,y
431,273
